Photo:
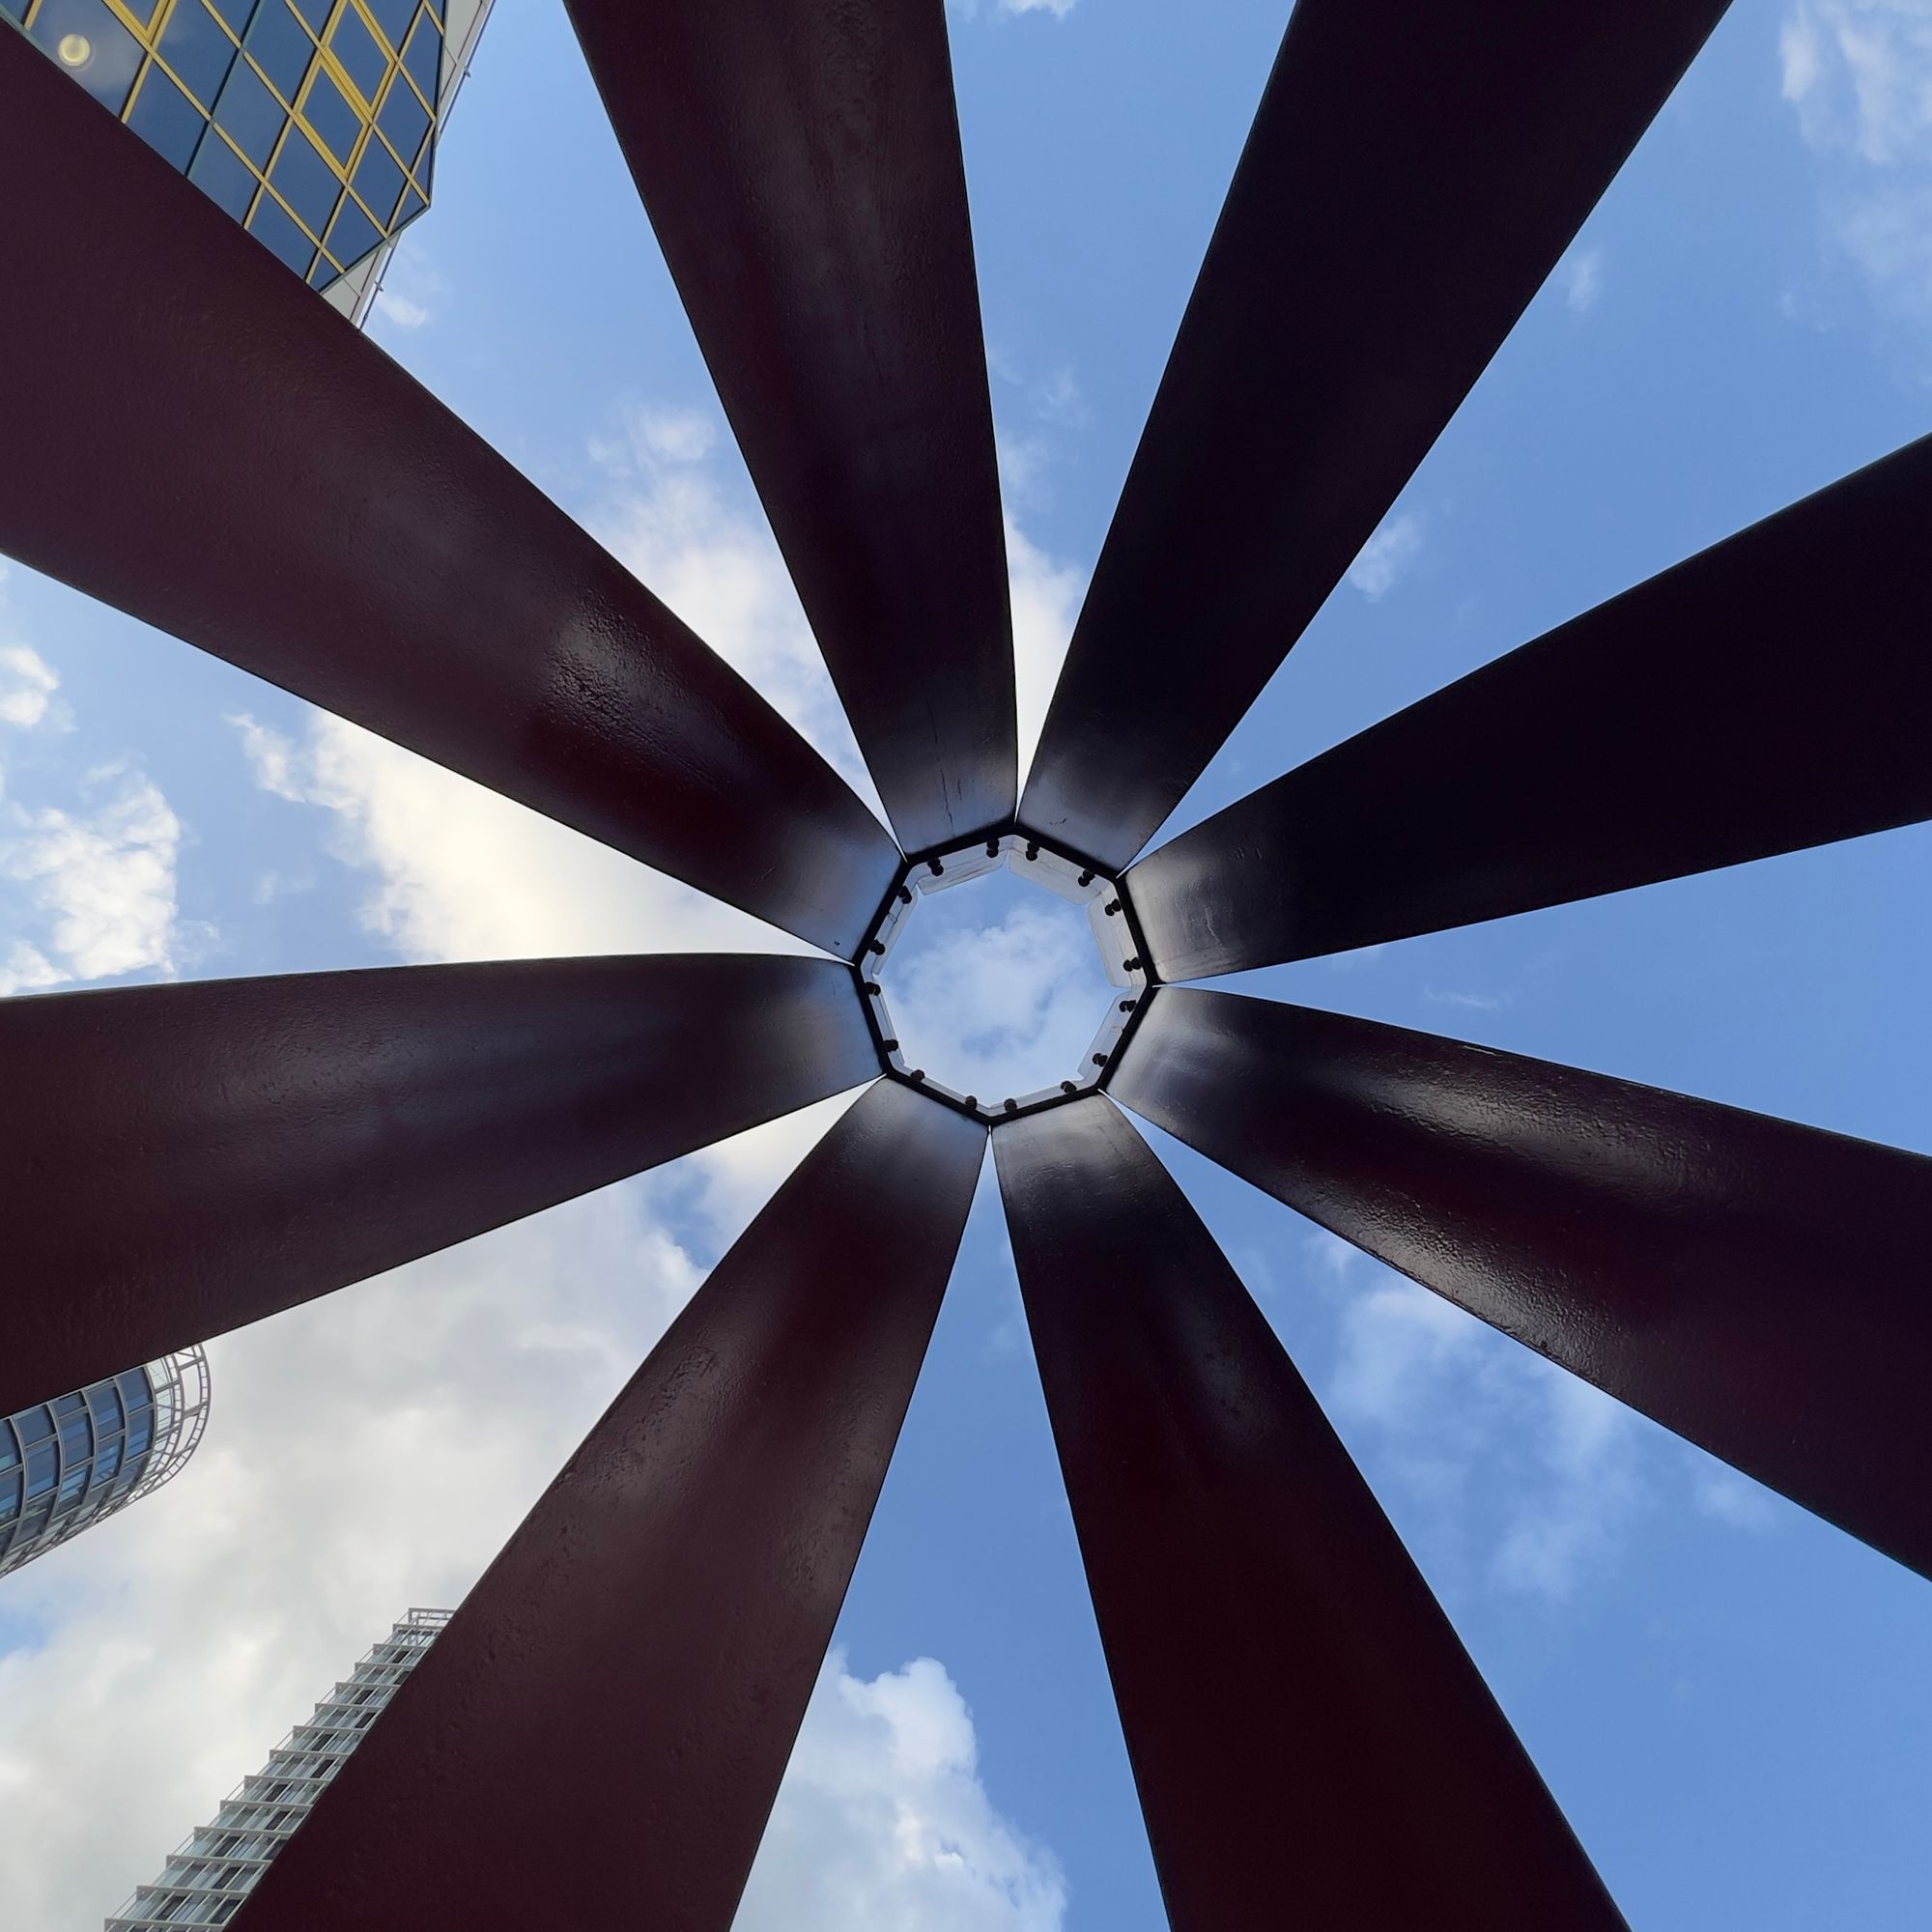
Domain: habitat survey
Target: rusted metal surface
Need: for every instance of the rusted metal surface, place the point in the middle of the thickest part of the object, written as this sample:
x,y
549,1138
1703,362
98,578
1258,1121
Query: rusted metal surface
x,y
1752,1284
1769,693
597,1736
801,165
233,463
1312,1745
178,1160
1413,173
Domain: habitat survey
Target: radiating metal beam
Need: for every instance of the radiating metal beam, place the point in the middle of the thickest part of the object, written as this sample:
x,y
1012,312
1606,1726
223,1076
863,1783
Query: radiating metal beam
x,y
1312,1745
1755,1285
1413,173
188,434
597,1736
801,165
1772,692
178,1160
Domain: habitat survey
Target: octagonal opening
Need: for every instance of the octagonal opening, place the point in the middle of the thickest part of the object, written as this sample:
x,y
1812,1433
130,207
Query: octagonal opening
x,y
1003,975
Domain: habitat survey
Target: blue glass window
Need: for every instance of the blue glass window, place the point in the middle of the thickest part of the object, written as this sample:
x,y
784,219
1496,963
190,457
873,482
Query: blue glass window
x,y
280,46
412,205
92,45
249,114
352,235
41,1468
10,1496
331,116
10,1447
104,1399
322,271
236,13
76,1437
166,119
423,57
355,48
314,11
71,1485
379,180
306,182
404,119
36,1425
108,1462
200,53
392,17
270,223
141,1421
221,174
13,10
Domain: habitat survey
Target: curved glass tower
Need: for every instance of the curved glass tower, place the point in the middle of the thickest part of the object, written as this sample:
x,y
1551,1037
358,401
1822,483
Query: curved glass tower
x,y
68,1463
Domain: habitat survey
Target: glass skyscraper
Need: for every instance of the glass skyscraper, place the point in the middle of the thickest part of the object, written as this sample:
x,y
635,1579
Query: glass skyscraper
x,y
204,1883
68,1463
314,123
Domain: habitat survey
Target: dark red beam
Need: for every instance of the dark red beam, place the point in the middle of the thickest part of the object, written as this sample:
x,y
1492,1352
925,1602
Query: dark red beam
x,y
1413,175
801,165
239,467
1312,1744
1755,1285
597,1735
1769,693
178,1160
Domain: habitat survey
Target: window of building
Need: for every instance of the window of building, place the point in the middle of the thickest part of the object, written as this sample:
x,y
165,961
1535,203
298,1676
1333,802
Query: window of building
x,y
279,44
88,43
197,48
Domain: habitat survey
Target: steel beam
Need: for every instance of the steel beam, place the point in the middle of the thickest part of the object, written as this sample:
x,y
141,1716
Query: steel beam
x,y
190,436
1769,693
597,1735
801,166
1413,175
1755,1285
1312,1745
178,1160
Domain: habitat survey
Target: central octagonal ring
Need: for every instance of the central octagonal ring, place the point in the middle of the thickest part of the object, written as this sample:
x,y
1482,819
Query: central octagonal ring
x,y
1117,935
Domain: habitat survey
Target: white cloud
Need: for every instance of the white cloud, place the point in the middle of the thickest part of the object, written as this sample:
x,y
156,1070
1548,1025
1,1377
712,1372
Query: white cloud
x,y
1046,596
883,1822
93,888
1581,277
461,872
665,511
1531,1480
1387,556
1483,1003
1859,75
1009,10
27,687
1002,1009
394,306
409,295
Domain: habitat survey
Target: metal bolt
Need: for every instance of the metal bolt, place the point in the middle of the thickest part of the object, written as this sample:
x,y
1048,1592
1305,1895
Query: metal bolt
x,y
1130,965
877,945
1127,1006
1100,1060
1033,849
938,868
1085,879
916,1075
1068,1087
1011,1106
905,896
973,1100
889,1045
1111,907
877,991
992,848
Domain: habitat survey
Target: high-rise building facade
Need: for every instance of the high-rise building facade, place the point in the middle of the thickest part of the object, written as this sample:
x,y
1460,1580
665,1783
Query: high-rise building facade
x,y
68,1463
314,123
204,1883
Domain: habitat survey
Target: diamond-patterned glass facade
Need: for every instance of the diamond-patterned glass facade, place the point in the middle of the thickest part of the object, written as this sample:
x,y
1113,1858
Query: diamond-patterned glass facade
x,y
313,123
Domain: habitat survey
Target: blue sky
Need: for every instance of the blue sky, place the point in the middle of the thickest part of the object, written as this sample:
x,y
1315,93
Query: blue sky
x,y
1729,1700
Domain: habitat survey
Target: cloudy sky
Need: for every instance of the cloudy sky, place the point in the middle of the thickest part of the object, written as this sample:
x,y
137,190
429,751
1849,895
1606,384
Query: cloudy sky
x,y
1729,1700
